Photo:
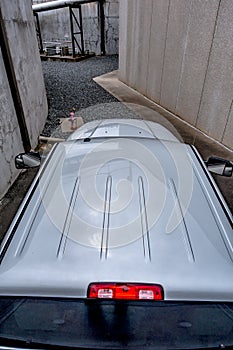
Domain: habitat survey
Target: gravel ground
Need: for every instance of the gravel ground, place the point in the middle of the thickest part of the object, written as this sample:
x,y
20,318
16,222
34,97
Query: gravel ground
x,y
70,85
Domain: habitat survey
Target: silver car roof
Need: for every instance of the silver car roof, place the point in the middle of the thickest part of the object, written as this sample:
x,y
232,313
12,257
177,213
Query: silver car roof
x,y
121,209
124,128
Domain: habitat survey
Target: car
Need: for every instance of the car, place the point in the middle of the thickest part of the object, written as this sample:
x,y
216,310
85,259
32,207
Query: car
x,y
123,241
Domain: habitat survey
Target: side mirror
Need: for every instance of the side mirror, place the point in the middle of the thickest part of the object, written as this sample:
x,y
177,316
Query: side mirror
x,y
27,160
220,166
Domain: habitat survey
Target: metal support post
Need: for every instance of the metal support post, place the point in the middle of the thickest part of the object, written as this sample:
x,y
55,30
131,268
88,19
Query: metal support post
x,y
38,32
102,27
81,29
72,31
74,21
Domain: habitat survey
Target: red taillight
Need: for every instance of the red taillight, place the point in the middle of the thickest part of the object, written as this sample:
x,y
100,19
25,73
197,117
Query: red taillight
x,y
130,291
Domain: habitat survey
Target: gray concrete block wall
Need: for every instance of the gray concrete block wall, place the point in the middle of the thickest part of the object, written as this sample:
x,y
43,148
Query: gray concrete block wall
x,y
125,37
112,26
10,139
218,87
21,36
179,54
55,25
158,35
228,134
91,27
176,41
142,37
200,34
134,39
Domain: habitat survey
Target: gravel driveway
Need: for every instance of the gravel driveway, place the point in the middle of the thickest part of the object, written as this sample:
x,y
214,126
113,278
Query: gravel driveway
x,y
70,85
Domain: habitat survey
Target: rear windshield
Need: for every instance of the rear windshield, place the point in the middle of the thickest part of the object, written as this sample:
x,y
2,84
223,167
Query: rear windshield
x,y
111,324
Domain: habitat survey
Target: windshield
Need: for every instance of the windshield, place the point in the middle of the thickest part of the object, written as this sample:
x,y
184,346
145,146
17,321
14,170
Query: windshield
x,y
111,324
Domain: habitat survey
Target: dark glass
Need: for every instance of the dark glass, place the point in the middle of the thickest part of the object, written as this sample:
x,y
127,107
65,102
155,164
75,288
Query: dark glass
x,y
116,324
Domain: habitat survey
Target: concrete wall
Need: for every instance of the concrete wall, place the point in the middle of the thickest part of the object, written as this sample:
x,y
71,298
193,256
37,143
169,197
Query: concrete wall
x,y
18,22
10,139
179,54
55,26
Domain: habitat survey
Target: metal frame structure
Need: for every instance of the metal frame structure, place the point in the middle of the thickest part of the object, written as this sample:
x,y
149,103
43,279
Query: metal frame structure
x,y
78,22
75,22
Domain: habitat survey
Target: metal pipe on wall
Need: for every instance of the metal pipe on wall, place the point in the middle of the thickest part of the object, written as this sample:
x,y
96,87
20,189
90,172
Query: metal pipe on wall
x,y
53,5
